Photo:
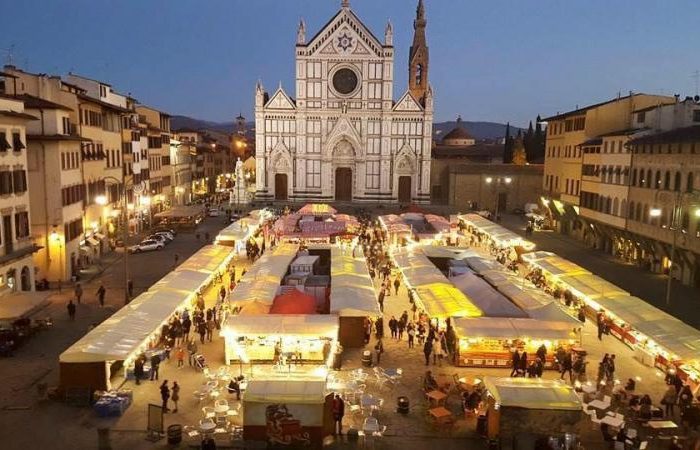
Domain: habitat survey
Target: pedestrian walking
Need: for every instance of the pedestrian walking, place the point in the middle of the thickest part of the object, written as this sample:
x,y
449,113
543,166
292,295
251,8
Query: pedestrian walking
x,y
71,309
669,401
155,364
514,363
211,325
381,300
427,350
177,258
101,291
180,356
78,292
393,327
600,322
397,283
175,395
202,330
411,332
192,350
138,369
338,413
130,288
378,350
610,369
401,328
165,395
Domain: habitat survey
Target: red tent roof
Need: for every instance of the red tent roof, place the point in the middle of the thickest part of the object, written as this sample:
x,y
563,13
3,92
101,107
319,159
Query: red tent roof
x,y
294,302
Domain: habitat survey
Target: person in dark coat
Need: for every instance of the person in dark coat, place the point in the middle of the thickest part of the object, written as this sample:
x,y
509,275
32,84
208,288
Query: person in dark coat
x,y
427,350
138,370
101,291
522,366
393,327
515,363
165,395
338,413
71,309
155,364
202,330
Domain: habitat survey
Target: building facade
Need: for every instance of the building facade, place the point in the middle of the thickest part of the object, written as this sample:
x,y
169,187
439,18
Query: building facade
x,y
16,245
343,137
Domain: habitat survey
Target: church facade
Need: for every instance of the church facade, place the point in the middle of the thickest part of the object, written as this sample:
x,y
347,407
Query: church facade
x,y
343,137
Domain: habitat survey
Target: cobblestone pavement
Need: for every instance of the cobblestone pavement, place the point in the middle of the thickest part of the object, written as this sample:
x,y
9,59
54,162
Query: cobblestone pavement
x,y
685,300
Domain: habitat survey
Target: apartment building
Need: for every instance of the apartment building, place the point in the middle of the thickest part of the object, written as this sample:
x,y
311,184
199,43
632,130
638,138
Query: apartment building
x,y
566,133
181,166
16,244
212,164
54,169
157,128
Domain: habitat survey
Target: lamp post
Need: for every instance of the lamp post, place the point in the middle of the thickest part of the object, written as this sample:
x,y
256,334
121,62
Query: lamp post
x,y
675,226
102,200
55,237
496,183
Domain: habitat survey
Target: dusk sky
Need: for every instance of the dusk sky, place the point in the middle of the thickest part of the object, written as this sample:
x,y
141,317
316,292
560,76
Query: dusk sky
x,y
489,60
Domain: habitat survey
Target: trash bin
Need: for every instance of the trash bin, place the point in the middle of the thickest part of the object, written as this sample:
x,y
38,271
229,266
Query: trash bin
x,y
352,435
174,434
402,405
367,358
337,360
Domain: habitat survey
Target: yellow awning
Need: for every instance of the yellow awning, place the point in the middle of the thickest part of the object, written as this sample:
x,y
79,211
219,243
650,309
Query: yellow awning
x,y
444,300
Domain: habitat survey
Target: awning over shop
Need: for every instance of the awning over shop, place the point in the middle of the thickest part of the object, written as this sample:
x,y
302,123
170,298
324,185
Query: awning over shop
x,y
240,230
292,391
556,266
525,297
589,286
187,281
318,325
317,209
533,393
181,212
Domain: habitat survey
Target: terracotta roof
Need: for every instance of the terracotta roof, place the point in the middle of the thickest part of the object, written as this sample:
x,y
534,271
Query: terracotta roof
x,y
101,103
17,115
649,108
687,134
56,137
32,102
457,132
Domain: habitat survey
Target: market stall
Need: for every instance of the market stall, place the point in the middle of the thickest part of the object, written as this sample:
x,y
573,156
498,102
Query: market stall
x,y
238,233
181,217
210,259
398,232
352,298
490,341
293,302
491,233
443,300
293,337
287,413
118,341
521,411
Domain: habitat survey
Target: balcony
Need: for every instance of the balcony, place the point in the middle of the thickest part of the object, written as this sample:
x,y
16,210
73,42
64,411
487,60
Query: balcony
x,y
18,253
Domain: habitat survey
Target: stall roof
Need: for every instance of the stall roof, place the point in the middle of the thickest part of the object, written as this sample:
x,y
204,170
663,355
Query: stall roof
x,y
590,286
445,300
182,280
294,302
479,264
440,251
181,211
352,291
513,328
557,266
262,281
670,333
126,330
317,209
486,298
533,393
208,259
552,312
319,325
525,297
496,232
239,230
293,391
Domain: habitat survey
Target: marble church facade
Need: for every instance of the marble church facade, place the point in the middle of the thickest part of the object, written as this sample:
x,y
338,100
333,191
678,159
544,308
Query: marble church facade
x,y
343,137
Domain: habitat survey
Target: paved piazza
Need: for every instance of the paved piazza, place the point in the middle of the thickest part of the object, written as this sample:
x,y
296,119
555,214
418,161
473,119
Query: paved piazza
x,y
24,417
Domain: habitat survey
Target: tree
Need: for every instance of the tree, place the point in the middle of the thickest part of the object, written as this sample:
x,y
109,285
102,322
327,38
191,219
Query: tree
x,y
507,146
519,153
537,150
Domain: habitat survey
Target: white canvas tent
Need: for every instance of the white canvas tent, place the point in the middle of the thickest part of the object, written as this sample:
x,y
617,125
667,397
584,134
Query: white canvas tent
x,y
321,325
285,391
183,280
486,298
208,259
533,393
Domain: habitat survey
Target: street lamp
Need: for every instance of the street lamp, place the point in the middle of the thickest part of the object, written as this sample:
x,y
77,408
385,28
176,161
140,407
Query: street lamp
x,y
102,200
55,237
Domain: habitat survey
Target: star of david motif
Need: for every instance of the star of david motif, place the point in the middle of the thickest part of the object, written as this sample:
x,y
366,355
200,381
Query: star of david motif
x,y
345,42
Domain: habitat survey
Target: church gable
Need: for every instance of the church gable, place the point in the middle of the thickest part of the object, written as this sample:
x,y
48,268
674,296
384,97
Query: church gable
x,y
280,101
346,34
407,104
344,129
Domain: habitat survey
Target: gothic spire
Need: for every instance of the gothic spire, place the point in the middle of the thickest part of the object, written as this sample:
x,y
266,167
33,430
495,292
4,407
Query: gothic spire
x,y
345,4
418,57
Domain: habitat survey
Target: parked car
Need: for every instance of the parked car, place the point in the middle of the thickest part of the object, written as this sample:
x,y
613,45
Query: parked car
x,y
164,228
147,245
162,235
234,217
214,212
158,238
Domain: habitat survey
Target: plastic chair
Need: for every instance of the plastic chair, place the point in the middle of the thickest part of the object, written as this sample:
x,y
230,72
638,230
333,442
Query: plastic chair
x,y
209,412
200,396
221,402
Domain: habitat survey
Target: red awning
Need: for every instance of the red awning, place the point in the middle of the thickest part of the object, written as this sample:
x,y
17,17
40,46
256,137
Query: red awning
x,y
294,302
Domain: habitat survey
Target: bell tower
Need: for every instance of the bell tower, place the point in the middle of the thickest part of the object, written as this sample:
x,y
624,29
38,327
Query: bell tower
x,y
418,57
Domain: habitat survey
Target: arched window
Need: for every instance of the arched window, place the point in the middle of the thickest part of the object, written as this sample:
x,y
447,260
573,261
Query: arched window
x,y
645,214
657,180
623,208
634,177
615,206
649,181
685,221
419,74
667,180
689,185
631,210
677,182
638,216
26,279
